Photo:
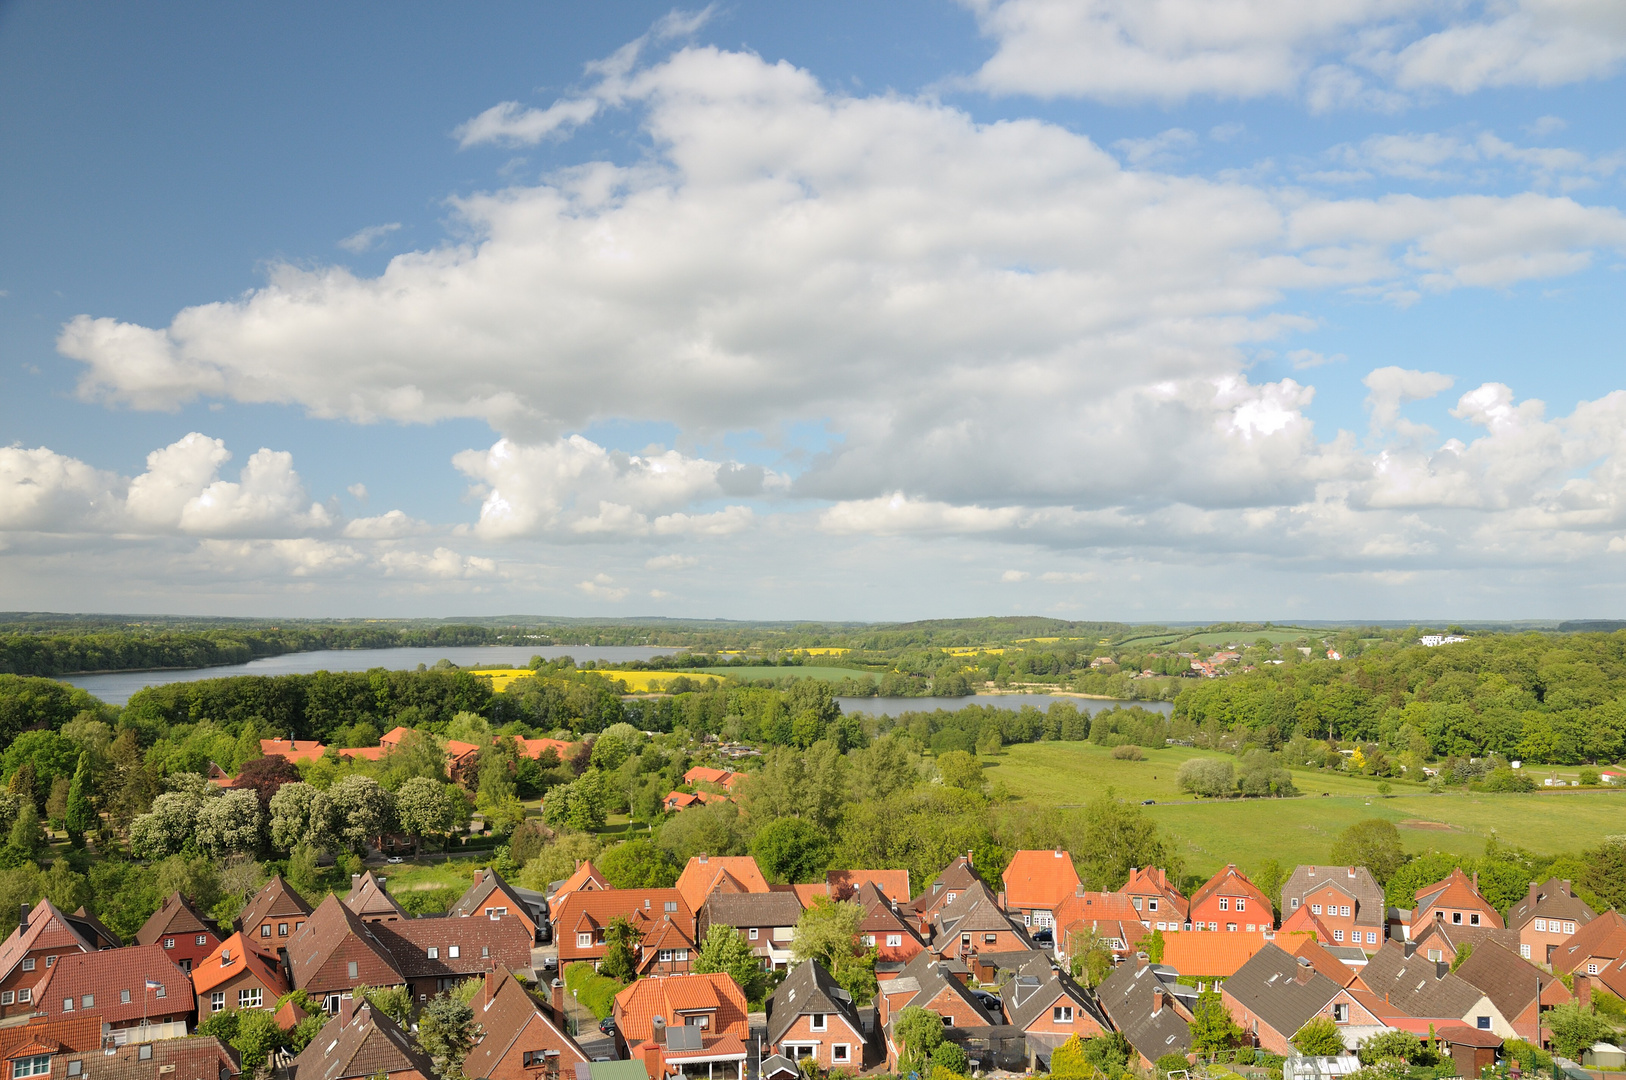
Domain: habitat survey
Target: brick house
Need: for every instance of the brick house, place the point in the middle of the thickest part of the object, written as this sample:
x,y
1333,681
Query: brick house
x,y
337,951
433,954
944,890
587,876
1455,899
43,934
707,874
666,949
492,897
580,920
1230,902
1595,948
274,914
766,920
1549,915
1428,992
1036,884
128,988
237,976
1148,1010
201,1057
28,1049
1160,904
688,1025
811,1016
928,983
886,930
1520,990
523,1039
1110,915
1049,1007
360,1043
1441,941
974,923
1345,899
1275,994
369,898
185,935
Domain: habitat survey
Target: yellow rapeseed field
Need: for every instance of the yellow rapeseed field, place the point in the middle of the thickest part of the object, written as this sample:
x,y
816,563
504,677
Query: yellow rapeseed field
x,y
501,678
638,682
825,650
970,650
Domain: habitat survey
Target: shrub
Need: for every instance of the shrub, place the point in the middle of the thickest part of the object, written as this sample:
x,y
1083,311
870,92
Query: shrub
x,y
1508,780
1169,1063
592,989
428,901
1210,777
1128,752
1590,778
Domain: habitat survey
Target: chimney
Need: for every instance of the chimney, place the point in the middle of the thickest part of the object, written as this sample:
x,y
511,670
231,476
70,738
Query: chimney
x,y
22,922
1531,897
1583,991
1476,881
1158,1000
654,1061
702,857
347,1010
968,856
557,999
1567,890
355,879
657,1027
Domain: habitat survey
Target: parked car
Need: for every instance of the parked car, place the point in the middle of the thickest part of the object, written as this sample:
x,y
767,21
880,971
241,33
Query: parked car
x,y
1043,936
988,1001
395,858
550,963
607,1025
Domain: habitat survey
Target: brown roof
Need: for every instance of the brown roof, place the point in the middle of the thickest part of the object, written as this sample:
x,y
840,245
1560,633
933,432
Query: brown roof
x,y
706,873
808,989
504,1011
1150,881
230,959
276,897
480,944
487,882
973,910
329,928
360,1042
1604,936
1417,985
753,909
47,928
370,899
1509,980
1552,899
1040,879
115,981
176,916
91,929
1457,936
200,1057
957,877
1356,882
1281,990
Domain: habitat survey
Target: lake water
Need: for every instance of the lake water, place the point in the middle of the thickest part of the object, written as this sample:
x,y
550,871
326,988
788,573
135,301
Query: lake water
x,y
116,687
883,706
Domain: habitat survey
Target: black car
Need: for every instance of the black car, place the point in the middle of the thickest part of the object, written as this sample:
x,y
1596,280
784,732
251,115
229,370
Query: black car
x,y
1043,935
607,1025
988,1001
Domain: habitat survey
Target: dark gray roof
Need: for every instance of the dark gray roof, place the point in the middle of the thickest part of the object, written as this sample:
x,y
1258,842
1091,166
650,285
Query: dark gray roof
x,y
1281,990
931,976
486,882
1356,881
1037,987
1126,996
973,910
1552,899
753,909
774,1064
362,1044
808,989
1417,985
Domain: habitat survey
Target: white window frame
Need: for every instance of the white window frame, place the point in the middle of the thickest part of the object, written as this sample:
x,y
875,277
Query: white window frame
x,y
25,996
1242,903
1340,1012
434,952
38,1065
840,1054
8,997
28,963
1151,903
1569,928
1315,909
818,1021
751,934
1338,936
1061,1014
251,997
584,941
1225,903
217,1001
452,951
894,941
203,939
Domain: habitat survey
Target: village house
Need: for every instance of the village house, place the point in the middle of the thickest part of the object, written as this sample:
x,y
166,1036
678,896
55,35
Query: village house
x,y
1110,916
273,915
1036,884
723,778
1455,899
1148,1010
521,1038
136,989
237,976
766,920
1230,902
1049,1008
684,1025
973,923
706,874
435,954
43,934
1429,993
337,951
297,751
535,748
1159,903
885,930
1548,916
580,920
1275,994
1520,990
369,898
811,1016
587,876
490,897
893,883
1345,899
201,1057
666,948
360,1043
1441,941
932,984
1594,948
183,932
944,890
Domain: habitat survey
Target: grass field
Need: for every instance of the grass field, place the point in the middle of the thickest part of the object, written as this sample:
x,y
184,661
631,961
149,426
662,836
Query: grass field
x,y
833,674
1229,637
1209,834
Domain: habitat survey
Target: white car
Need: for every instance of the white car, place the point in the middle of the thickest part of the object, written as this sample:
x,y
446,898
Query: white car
x,y
395,858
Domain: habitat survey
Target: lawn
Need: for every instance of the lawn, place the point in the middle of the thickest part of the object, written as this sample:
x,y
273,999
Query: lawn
x,y
1209,834
832,674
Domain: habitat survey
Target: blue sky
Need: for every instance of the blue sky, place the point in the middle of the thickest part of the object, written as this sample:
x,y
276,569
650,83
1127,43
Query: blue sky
x,y
1177,309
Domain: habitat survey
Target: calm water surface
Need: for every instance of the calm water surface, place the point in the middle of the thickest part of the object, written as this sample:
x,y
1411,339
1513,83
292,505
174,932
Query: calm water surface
x,y
883,706
116,687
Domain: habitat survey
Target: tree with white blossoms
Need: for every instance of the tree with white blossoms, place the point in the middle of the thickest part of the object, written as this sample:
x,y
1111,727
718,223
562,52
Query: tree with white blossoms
x,y
292,819
355,811
230,824
425,807
173,819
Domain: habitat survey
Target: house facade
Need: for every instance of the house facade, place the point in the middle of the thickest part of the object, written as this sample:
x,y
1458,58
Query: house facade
x,y
1456,901
811,1016
766,920
1153,895
1548,916
43,935
579,921
1231,903
975,923
1593,948
181,930
1346,900
274,915
237,976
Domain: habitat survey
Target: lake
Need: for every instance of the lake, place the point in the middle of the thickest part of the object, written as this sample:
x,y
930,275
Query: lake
x,y
116,687
892,706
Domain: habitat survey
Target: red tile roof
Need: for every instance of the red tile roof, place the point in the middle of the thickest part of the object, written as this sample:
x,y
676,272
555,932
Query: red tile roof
x,y
894,883
47,928
704,874
1039,879
1303,920
592,909
534,748
1233,882
1604,936
1455,890
115,980
585,877
672,996
295,750
230,959
702,774
68,1033
1210,955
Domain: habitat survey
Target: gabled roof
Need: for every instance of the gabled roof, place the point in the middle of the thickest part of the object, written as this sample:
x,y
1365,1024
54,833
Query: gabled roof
x,y
594,908
1211,955
230,959
668,996
1552,899
47,928
1233,882
91,929
706,873
956,878
1455,890
105,975
360,1042
808,989
1303,920
894,883
479,944
663,934
753,909
534,748
275,897
1128,995
1456,936
295,750
929,977
1356,882
331,925
702,774
68,1033
1086,908
585,877
1283,991
177,916
974,910
1040,879
503,1010
475,899
370,899
1509,980
1324,960
1152,881
1603,936
1417,985
1037,987
199,1057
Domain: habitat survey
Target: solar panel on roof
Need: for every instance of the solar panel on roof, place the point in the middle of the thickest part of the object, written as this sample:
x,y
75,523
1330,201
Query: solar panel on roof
x,y
682,1037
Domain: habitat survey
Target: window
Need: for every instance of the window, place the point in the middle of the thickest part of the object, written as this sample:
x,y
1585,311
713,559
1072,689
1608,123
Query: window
x,y
951,898
666,956
838,1053
1136,901
1340,1013
1027,918
1251,928
699,1021
1295,903
50,961
1524,951
76,1068
683,954
868,940
1434,955
1456,917
1371,937
1315,909
162,991
990,939
297,925
250,998
948,1021
485,952
752,933
169,943
88,1001
28,963
352,969
452,951
1541,925
145,1053
1592,969
7,997
265,929
1062,1014
1212,925
38,1065
434,952
217,1001
584,941
1225,903
282,929
25,995
670,905
1482,1022
67,1004
819,1021
1242,903
1569,928
1230,927
1338,936
894,940
1473,920
203,939
1151,904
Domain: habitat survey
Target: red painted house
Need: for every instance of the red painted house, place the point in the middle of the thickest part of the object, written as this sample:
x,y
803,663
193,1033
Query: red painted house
x,y
180,930
1229,902
1037,883
811,1017
522,1039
